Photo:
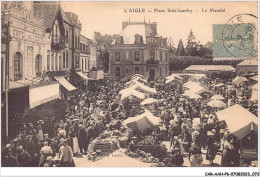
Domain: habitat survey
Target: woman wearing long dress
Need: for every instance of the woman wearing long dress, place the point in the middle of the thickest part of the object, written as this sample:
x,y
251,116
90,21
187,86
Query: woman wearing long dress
x,y
39,130
195,156
212,150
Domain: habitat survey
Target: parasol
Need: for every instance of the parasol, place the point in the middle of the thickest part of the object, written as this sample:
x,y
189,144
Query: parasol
x,y
216,104
239,80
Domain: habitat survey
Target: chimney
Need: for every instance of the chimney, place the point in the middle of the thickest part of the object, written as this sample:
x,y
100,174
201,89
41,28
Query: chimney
x,y
125,24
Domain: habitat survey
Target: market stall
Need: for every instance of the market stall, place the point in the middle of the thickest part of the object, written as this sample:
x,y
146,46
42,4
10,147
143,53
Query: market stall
x,y
244,125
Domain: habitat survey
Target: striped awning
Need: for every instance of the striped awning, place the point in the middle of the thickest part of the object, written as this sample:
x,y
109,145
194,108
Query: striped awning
x,y
83,75
65,83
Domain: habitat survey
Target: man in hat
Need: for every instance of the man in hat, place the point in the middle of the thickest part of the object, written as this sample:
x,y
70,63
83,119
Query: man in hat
x,y
9,160
24,158
82,137
30,146
66,155
132,145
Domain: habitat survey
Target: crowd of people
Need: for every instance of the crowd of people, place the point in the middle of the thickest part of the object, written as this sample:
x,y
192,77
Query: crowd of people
x,y
99,108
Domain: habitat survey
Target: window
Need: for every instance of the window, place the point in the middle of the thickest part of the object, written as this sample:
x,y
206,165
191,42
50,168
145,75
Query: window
x,y
77,61
56,61
52,61
67,59
150,40
75,45
127,70
166,70
137,70
60,62
82,64
67,36
86,64
81,46
137,55
64,60
84,47
127,55
152,54
18,66
48,60
117,71
117,56
166,57
160,71
38,66
78,41
161,55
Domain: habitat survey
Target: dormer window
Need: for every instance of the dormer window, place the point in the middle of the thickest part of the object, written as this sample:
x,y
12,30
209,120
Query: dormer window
x,y
138,39
151,39
119,40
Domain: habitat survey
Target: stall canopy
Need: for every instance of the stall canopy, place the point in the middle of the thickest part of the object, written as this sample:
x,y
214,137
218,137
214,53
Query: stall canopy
x,y
44,94
254,78
217,97
137,75
65,83
239,120
135,80
83,75
195,76
148,101
144,88
132,92
143,121
220,85
239,80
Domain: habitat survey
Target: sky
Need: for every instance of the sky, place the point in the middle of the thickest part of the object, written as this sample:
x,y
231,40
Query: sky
x,y
107,17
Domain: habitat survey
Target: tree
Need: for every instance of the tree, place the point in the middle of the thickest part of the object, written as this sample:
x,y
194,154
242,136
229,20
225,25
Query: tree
x,y
180,50
191,46
104,39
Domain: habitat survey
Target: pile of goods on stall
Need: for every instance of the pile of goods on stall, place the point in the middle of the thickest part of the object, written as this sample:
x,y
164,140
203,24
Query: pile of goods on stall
x,y
143,156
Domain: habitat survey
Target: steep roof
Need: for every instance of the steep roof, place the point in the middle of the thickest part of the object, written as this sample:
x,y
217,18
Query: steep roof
x,y
210,68
129,32
249,62
47,11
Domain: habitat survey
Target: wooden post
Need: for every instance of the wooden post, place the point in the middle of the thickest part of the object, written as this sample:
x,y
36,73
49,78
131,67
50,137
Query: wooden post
x,y
7,84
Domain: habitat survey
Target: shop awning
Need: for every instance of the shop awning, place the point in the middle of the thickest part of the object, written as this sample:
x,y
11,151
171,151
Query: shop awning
x,y
83,75
44,94
65,83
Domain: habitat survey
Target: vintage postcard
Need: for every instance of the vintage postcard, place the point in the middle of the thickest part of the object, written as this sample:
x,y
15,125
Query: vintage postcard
x,y
129,84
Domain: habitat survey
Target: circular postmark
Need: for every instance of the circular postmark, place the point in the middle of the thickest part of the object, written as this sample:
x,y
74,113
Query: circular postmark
x,y
239,36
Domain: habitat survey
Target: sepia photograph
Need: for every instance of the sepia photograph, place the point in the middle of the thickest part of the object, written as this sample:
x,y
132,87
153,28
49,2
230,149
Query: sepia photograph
x,y
129,84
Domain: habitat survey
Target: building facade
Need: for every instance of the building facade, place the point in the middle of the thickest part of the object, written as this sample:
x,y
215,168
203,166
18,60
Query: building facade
x,y
139,50
29,44
84,54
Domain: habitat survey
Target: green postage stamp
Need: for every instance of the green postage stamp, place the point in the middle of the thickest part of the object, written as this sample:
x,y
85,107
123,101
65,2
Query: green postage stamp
x,y
237,38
